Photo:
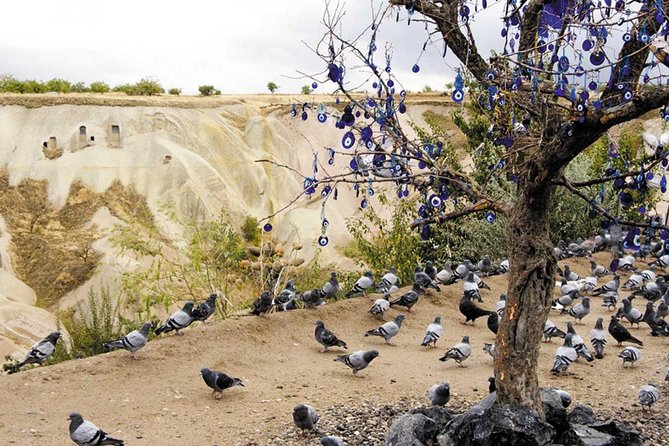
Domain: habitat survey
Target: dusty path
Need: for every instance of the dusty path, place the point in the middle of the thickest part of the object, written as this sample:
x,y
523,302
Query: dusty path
x,y
161,399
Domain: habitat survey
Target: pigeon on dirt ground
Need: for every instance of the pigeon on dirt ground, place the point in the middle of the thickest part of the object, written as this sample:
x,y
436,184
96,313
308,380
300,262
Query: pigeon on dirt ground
x,y
305,417
433,333
331,287
263,304
330,440
42,351
471,311
387,330
439,394
552,331
459,352
219,381
580,310
648,395
630,354
362,284
578,343
178,321
380,306
598,338
408,299
359,360
564,356
85,433
326,338
204,311
133,341
620,333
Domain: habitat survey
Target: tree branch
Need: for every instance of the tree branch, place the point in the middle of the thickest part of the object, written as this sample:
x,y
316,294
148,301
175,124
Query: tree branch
x,y
479,206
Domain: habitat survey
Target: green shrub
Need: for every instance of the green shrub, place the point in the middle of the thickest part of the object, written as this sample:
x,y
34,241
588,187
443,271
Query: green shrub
x,y
80,87
251,230
272,87
174,91
59,85
306,89
206,90
145,87
99,87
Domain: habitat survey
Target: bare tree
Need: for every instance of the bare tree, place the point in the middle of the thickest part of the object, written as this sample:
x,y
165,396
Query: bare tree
x,y
543,115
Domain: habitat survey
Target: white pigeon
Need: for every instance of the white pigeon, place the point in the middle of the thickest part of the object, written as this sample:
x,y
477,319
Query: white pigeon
x,y
433,333
85,433
630,354
648,395
380,306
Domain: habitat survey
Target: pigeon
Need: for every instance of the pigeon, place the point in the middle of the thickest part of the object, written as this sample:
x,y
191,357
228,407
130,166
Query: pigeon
x,y
649,275
635,281
439,394
578,344
178,321
446,275
433,333
459,352
408,299
263,304
630,354
662,308
471,289
501,304
42,351
330,440
326,338
380,306
485,265
331,287
611,285
630,313
489,349
387,330
362,284
657,326
551,331
133,341
313,298
661,262
423,281
598,338
480,282
462,270
581,310
566,287
470,311
564,356
219,381
388,280
598,271
610,300
652,290
204,311
492,387
626,263
648,395
569,274
493,322
589,284
430,270
358,360
504,265
285,300
620,333
305,417
85,433
564,301
565,397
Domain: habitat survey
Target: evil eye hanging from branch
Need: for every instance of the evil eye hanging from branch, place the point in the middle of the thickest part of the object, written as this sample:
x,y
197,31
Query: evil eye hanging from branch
x,y
347,118
490,217
464,13
309,185
326,191
435,201
632,240
267,227
335,72
415,68
293,111
331,155
348,140
663,184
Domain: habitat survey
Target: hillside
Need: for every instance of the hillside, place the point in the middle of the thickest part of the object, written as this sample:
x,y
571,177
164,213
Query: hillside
x,y
162,399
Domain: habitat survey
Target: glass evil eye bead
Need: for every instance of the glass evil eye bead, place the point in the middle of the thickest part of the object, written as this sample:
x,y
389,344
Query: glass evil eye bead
x,y
458,96
415,68
322,117
314,85
325,223
326,191
348,140
435,201
267,227
363,203
402,108
490,217
323,240
490,75
627,95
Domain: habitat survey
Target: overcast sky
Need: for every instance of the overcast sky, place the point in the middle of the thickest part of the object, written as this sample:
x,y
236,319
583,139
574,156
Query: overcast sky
x,y
238,46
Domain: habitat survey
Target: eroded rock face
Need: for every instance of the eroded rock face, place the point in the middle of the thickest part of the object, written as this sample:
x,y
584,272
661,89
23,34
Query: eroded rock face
x,y
412,430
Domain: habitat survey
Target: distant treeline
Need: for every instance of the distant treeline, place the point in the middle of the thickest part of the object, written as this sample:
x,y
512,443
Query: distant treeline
x,y
145,87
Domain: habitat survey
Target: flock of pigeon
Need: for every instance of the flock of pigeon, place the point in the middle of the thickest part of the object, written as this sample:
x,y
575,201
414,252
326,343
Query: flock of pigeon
x,y
576,294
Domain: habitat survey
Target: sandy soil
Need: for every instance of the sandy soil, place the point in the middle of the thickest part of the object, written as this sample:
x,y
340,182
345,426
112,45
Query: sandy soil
x,y
161,399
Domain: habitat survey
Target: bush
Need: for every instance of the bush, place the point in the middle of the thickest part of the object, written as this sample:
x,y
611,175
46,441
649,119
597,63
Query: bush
x,y
80,87
251,230
427,89
59,85
174,91
99,87
306,89
145,87
33,86
272,87
206,90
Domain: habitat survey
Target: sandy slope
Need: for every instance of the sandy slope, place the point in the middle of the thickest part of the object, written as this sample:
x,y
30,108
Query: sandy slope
x,y
161,399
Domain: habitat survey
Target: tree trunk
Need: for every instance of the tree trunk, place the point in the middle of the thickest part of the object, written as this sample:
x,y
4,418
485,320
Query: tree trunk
x,y
531,284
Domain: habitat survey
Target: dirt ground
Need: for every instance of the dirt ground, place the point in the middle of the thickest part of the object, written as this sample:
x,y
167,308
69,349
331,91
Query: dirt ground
x,y
161,398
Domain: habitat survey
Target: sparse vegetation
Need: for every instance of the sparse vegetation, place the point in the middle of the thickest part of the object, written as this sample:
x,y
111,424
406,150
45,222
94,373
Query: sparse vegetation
x,y
272,87
206,90
99,87
306,89
174,91
251,230
427,89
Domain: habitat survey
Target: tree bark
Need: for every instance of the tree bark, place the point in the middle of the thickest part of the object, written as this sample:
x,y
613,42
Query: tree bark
x,y
531,283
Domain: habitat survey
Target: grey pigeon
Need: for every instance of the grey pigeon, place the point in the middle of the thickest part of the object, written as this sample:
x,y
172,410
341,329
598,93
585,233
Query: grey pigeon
x,y
648,395
570,275
598,270
313,298
598,338
652,290
663,307
564,356
611,285
630,313
331,287
42,351
423,281
133,341
430,270
204,311
471,289
446,275
85,433
326,338
485,265
657,326
463,269
610,300
219,381
580,310
330,440
387,330
565,397
390,278
588,284
380,306
408,299
564,301
285,300
439,394
433,333
630,354
578,344
662,261
179,320
359,360
620,333
635,281
263,304
459,352
362,284
501,304
489,349
305,417
551,331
